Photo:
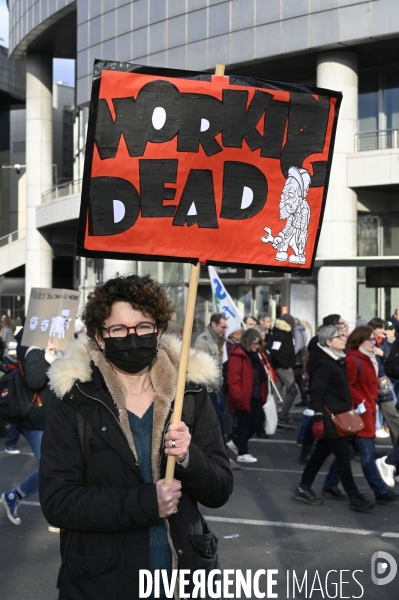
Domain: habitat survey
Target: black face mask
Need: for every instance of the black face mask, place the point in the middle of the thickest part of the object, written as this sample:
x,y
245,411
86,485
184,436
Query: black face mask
x,y
132,353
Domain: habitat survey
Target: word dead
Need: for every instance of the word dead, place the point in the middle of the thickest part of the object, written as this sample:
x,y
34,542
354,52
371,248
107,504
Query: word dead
x,y
286,131
191,167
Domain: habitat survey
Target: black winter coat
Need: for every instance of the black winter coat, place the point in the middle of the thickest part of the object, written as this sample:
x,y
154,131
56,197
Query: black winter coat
x,y
104,508
280,346
35,370
329,386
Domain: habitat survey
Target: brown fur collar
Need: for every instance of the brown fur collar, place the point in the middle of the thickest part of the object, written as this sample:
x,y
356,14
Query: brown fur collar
x,y
283,325
75,365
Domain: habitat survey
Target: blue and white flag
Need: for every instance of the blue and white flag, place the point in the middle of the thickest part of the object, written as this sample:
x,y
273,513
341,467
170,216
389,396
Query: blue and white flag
x,y
223,303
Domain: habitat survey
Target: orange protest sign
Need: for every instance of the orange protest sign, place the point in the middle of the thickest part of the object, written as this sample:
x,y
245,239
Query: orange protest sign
x,y
187,166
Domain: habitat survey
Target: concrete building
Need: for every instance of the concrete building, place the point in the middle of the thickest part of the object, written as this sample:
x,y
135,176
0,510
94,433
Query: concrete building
x,y
347,45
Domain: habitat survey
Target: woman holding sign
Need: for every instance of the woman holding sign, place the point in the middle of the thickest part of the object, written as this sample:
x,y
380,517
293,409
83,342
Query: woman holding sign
x,y
105,446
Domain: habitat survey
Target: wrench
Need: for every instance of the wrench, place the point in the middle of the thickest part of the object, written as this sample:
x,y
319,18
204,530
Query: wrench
x,y
267,238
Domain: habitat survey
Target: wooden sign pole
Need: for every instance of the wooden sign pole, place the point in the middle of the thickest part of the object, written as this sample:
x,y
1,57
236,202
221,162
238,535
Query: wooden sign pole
x,y
185,348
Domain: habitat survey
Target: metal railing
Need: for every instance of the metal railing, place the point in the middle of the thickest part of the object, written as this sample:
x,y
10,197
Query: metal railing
x,y
382,139
65,189
12,237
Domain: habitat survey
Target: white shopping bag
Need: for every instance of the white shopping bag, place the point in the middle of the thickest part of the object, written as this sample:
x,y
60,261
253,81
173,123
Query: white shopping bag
x,y
270,411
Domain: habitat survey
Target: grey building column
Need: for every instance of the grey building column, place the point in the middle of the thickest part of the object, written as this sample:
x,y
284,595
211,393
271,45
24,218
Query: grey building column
x,y
337,291
39,160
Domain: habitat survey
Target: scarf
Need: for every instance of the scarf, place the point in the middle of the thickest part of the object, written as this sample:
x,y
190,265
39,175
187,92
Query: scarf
x,y
333,353
372,357
257,365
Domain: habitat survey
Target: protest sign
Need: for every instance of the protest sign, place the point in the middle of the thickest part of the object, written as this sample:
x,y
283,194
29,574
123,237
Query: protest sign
x,y
191,167
51,314
194,167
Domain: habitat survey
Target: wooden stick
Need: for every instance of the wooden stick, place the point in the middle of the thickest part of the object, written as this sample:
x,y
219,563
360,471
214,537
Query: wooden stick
x,y
185,347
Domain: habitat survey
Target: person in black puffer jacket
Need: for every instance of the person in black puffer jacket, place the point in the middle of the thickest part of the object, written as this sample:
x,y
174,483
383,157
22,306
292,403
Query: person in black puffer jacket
x,y
105,488
280,347
329,391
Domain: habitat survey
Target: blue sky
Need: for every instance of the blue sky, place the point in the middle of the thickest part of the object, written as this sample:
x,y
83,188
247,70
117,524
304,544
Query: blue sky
x,y
63,69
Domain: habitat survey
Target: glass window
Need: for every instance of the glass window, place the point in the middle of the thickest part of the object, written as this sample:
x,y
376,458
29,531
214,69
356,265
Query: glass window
x,y
390,84
367,305
390,228
244,299
367,236
368,100
149,267
172,272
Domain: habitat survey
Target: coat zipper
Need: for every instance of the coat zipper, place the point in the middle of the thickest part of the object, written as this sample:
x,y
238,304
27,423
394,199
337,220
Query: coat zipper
x,y
110,411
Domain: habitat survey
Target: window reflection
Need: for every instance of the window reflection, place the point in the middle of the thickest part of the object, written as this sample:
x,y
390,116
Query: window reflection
x,y
378,101
390,228
368,100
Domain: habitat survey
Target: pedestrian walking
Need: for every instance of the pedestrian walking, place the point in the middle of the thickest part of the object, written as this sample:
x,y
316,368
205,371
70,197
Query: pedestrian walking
x,y
12,436
280,347
300,344
329,393
265,321
385,397
247,390
104,486
36,365
362,370
212,341
7,334
250,321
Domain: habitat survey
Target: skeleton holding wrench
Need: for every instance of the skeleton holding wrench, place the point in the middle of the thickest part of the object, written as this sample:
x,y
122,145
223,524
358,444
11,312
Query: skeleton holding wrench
x,y
295,209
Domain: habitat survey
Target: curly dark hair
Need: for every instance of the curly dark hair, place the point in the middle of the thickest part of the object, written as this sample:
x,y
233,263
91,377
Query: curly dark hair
x,y
143,293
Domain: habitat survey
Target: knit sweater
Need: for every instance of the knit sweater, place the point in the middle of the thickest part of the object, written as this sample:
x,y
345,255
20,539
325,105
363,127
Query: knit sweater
x,y
160,554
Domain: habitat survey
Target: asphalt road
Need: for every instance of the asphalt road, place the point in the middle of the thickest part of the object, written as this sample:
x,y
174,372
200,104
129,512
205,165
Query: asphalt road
x,y
261,528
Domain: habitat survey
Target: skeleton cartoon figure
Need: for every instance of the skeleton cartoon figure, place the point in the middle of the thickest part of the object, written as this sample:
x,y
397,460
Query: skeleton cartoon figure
x,y
295,209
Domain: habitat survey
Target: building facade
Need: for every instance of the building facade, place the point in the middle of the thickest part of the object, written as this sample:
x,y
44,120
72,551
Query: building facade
x,y
346,45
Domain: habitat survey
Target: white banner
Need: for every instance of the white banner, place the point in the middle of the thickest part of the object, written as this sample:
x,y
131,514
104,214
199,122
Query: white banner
x,y
223,303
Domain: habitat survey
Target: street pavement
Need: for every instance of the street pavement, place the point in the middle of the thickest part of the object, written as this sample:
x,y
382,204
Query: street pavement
x,y
260,528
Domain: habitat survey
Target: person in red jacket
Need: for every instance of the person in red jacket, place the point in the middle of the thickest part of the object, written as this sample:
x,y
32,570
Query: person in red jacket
x,y
246,392
362,370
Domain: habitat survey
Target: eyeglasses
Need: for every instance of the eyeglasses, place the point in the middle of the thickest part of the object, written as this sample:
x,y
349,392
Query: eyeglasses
x,y
121,331
341,323
372,340
342,336
256,343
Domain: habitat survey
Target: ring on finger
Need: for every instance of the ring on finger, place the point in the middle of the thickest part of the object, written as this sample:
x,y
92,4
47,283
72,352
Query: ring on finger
x,y
173,444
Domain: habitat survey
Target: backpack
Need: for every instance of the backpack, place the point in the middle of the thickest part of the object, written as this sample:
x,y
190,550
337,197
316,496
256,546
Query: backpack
x,y
391,364
16,399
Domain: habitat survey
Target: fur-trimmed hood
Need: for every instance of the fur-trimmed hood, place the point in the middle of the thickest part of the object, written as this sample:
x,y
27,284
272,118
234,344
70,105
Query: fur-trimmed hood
x,y
283,325
75,364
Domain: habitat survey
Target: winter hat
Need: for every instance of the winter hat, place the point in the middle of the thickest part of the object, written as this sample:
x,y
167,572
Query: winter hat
x,y
389,326
331,319
288,319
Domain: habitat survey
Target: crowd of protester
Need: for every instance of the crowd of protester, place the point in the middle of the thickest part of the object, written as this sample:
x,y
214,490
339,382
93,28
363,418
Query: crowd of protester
x,y
329,374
